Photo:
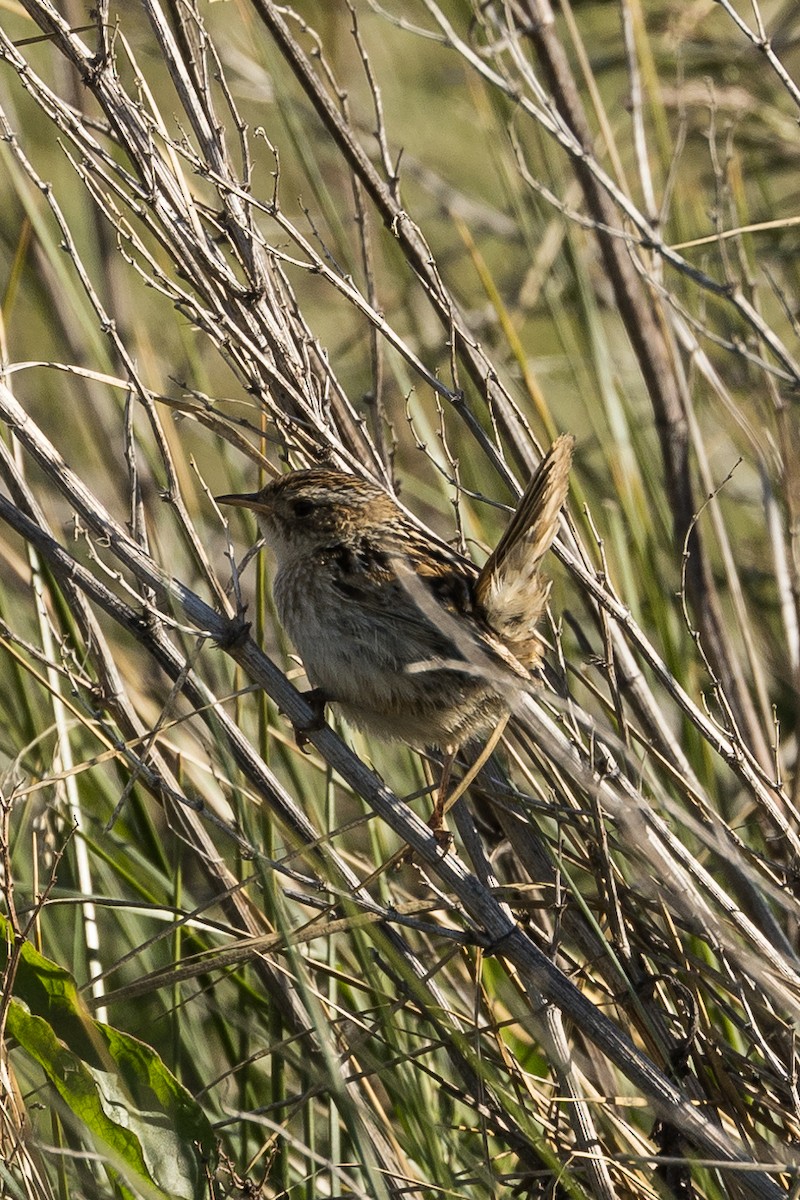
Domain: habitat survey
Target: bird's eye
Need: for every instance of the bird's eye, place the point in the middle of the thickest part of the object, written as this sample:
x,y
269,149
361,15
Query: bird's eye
x,y
302,508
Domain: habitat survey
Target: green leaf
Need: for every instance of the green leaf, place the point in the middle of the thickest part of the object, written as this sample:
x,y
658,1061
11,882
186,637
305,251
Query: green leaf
x,y
133,1108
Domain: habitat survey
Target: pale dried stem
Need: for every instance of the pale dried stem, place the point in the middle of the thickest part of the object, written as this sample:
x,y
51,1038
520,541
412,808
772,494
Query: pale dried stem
x,y
180,195
489,919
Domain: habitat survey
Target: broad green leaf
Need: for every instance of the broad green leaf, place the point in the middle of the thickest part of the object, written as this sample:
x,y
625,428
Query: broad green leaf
x,y
132,1107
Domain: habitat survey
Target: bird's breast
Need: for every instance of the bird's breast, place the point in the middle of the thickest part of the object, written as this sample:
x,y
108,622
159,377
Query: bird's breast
x,y
344,650
360,635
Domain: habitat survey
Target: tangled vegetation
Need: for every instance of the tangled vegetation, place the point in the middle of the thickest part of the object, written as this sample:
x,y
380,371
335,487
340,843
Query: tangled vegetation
x,y
416,240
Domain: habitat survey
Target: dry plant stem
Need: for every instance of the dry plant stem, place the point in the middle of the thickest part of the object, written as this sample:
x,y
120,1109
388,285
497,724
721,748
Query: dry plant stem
x,y
18,1153
739,751
258,327
516,433
711,828
762,43
199,408
213,163
531,855
21,1166
490,919
541,109
770,796
656,365
628,19
557,1046
150,575
188,825
380,421
673,865
79,584
646,331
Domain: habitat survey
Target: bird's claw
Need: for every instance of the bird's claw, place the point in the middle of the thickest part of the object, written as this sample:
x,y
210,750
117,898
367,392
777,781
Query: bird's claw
x,y
444,837
316,699
236,632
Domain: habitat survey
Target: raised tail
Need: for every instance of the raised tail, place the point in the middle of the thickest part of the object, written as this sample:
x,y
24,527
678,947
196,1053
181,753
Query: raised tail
x,y
511,591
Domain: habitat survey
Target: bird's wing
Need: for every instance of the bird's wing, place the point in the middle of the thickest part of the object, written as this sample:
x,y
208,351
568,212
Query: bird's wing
x,y
423,588
376,582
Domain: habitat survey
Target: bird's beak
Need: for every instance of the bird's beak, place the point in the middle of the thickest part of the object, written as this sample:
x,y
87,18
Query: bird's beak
x,y
244,500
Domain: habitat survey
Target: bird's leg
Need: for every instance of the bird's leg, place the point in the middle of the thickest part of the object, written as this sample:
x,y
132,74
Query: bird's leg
x,y
316,699
441,805
445,802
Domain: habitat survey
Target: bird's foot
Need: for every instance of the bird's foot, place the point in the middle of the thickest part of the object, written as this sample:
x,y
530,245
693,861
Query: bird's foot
x,y
316,699
437,824
236,632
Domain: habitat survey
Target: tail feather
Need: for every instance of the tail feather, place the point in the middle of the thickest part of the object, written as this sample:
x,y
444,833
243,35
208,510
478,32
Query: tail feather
x,y
511,590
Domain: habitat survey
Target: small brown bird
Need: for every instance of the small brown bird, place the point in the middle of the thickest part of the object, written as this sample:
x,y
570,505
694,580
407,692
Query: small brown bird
x,y
409,639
